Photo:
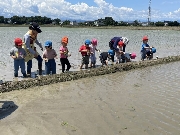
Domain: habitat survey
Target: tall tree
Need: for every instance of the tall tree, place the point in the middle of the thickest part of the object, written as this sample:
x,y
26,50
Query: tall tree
x,y
1,19
109,21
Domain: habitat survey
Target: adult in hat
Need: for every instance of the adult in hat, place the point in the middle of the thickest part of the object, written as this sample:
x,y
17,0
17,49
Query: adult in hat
x,y
30,38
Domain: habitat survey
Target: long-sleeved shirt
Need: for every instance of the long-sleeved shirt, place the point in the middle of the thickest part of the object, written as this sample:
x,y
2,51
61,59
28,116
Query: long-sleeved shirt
x,y
116,40
27,42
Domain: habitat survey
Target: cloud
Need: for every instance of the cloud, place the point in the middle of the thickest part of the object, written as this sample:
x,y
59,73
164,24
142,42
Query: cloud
x,y
66,10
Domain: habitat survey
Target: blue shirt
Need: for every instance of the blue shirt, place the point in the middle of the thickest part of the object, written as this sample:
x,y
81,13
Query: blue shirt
x,y
111,52
143,46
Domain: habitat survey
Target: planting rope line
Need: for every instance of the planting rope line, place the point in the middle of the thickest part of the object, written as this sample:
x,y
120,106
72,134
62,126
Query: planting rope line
x,y
74,75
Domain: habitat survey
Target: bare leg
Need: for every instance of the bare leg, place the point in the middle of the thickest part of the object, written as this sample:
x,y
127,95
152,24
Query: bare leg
x,y
106,62
91,64
81,66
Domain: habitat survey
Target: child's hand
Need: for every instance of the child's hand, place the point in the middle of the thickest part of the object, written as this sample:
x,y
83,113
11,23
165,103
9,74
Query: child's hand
x,y
46,59
14,57
121,52
85,50
88,52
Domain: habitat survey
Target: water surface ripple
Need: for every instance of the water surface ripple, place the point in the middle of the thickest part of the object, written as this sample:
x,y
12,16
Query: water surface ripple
x,y
138,102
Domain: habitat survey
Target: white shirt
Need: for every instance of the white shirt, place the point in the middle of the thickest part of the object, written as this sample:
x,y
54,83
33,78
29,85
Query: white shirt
x,y
93,48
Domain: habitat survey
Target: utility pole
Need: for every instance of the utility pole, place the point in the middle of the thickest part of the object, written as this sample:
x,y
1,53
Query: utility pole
x,y
149,15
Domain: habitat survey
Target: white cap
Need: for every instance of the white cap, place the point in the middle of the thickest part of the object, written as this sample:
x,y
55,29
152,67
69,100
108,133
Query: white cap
x,y
125,40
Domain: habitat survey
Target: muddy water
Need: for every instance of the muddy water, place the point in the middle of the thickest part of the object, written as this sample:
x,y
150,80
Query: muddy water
x,y
138,102
165,41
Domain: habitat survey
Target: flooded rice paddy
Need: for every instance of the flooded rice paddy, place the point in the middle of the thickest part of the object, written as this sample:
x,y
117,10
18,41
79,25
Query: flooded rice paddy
x,y
165,41
137,102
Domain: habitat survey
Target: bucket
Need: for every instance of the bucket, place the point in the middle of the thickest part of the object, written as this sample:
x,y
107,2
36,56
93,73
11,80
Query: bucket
x,y
153,50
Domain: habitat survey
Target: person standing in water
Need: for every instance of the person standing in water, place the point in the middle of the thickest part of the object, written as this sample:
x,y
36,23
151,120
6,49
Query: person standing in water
x,y
64,54
85,52
18,54
93,47
49,56
30,38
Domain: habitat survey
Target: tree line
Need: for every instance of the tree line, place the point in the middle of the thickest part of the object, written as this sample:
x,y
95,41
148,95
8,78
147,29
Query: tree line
x,y
107,21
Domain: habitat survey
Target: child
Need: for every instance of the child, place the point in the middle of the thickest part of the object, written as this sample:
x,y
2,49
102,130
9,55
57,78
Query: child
x,y
18,54
120,52
125,57
85,52
145,48
111,54
104,56
64,53
93,49
48,55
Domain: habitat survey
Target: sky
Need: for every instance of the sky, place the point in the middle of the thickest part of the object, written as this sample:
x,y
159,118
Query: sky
x,y
89,10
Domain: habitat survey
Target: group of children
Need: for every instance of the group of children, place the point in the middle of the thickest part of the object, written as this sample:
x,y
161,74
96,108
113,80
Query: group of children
x,y
49,55
87,51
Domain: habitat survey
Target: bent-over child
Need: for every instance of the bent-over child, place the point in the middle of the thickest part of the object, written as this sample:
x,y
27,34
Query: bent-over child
x,y
106,56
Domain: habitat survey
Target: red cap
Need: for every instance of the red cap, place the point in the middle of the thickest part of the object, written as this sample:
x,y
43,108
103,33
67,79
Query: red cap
x,y
145,38
120,43
18,41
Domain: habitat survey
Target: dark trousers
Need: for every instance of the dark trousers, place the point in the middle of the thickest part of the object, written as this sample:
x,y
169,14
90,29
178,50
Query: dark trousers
x,y
65,61
125,58
29,64
112,58
124,48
